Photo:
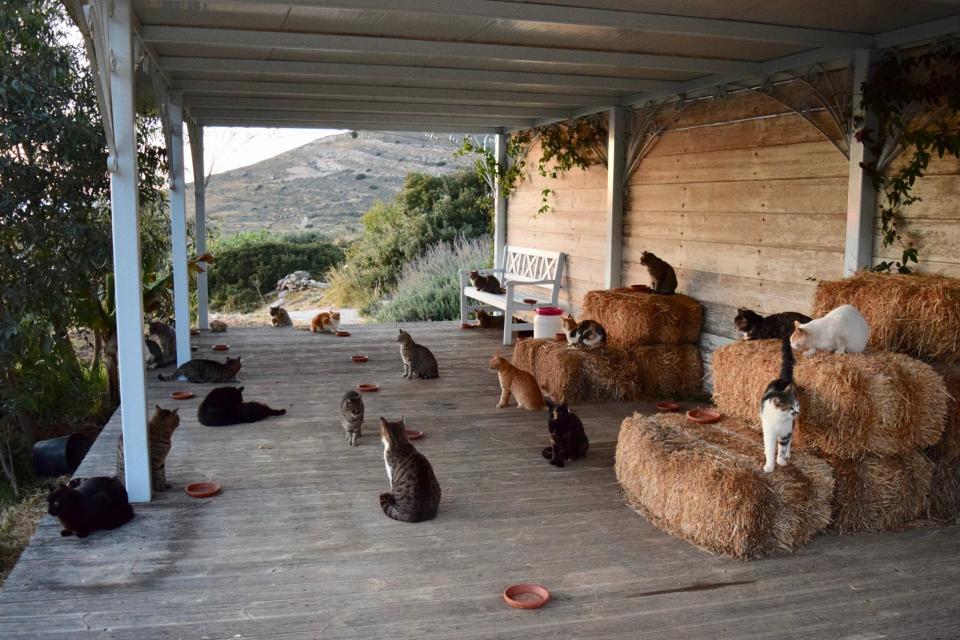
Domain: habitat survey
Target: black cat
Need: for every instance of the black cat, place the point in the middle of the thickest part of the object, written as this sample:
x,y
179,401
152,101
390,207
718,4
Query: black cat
x,y
566,433
753,326
86,505
224,406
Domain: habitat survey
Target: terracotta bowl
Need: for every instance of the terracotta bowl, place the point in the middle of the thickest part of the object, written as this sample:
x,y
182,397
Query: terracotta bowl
x,y
522,338
359,358
413,434
640,287
194,332
560,337
343,334
530,301
203,489
703,416
181,395
667,406
221,347
467,325
368,388
526,596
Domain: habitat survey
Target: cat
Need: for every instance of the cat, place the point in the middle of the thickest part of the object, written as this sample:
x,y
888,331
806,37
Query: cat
x,y
159,433
414,491
520,383
663,279
487,283
279,317
569,441
587,333
351,416
753,326
224,406
86,505
200,370
490,321
842,330
779,408
325,321
418,361
152,355
165,337
218,326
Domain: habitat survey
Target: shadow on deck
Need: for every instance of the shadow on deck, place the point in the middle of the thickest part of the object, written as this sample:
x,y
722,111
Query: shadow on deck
x,y
297,547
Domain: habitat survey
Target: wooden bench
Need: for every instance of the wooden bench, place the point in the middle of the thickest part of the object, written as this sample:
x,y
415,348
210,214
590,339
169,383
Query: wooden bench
x,y
522,268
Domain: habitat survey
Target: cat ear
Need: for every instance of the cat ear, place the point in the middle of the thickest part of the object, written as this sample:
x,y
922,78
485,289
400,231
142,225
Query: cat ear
x,y
158,407
383,421
240,389
401,420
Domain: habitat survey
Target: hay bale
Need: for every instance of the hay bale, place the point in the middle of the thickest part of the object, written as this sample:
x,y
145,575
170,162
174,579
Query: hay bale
x,y
705,484
949,445
853,404
876,493
943,503
918,314
633,318
578,375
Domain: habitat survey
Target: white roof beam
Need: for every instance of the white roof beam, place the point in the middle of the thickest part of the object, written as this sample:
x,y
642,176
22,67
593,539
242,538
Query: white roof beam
x,y
274,41
267,116
357,126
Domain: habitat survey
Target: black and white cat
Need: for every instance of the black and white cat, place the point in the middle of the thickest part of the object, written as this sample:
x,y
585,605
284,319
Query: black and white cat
x,y
779,408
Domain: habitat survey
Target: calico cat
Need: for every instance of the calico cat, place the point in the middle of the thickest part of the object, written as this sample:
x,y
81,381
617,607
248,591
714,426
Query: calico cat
x,y
351,416
587,333
224,406
325,321
159,434
779,408
753,326
520,383
418,361
566,433
200,370
279,317
842,330
663,279
487,283
414,491
218,326
86,505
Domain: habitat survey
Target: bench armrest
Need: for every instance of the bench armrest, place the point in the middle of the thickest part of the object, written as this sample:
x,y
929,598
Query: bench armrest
x,y
521,283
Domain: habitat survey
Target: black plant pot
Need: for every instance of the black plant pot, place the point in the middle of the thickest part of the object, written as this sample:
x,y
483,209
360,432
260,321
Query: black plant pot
x,y
59,456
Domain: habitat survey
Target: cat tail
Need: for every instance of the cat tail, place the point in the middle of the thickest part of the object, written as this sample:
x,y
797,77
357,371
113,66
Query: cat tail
x,y
396,513
278,412
786,367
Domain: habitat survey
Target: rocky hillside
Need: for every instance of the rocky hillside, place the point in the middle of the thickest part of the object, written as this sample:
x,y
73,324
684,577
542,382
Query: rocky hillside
x,y
325,185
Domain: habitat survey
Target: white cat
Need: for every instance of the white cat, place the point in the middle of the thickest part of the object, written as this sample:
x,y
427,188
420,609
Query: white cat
x,y
843,329
779,408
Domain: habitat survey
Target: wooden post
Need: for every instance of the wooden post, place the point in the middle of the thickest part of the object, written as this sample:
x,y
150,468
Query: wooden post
x,y
126,254
200,221
500,204
178,229
861,195
616,125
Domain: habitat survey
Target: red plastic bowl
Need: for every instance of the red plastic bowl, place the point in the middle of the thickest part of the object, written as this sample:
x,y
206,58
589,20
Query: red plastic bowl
x,y
667,406
640,287
343,334
467,325
194,332
181,395
368,388
221,347
203,489
530,301
359,358
526,596
413,434
703,416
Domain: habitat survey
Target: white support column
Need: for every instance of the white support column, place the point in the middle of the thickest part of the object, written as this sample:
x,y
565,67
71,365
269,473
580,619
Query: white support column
x,y
861,196
178,229
200,222
616,140
499,204
126,255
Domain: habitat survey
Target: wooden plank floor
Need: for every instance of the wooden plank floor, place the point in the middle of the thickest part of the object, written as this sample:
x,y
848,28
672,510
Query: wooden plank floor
x,y
297,548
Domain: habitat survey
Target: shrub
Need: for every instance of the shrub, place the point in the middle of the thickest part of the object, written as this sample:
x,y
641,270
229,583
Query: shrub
x,y
429,287
248,265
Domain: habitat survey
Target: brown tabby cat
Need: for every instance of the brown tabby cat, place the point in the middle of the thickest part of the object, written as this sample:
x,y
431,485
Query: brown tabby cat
x,y
663,279
418,361
414,491
218,326
519,382
159,434
490,321
487,283
279,317
351,416
325,321
201,370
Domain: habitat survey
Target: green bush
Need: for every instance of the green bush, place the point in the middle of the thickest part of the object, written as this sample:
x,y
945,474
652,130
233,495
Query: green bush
x,y
429,287
248,265
430,209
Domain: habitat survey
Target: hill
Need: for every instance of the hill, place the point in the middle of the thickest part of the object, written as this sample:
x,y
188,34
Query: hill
x,y
325,185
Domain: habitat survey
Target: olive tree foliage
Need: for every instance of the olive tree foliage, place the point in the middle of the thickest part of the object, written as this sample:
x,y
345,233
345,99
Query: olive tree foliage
x,y
55,243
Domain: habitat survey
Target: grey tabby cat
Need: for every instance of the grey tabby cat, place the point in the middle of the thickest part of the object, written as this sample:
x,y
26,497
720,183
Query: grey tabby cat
x,y
351,416
414,491
418,362
164,336
201,370
159,434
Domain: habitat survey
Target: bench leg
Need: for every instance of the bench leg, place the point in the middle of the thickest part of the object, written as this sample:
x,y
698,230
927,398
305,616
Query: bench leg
x,y
508,326
463,308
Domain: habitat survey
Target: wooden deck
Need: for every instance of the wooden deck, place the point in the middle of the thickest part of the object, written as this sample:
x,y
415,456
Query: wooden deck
x,y
296,547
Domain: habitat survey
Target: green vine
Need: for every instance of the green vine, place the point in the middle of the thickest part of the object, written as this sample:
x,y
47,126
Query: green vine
x,y
917,103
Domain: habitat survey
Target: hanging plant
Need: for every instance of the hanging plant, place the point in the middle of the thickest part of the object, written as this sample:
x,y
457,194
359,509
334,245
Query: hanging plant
x,y
916,100
579,143
498,178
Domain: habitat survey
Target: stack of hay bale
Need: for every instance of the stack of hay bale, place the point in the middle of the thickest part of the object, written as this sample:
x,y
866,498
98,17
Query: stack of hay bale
x,y
651,350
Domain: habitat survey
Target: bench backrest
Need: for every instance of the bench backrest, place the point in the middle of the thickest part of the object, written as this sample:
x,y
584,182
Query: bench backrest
x,y
529,265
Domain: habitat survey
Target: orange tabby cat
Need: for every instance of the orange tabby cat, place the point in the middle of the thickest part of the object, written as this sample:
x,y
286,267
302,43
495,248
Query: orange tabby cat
x,y
325,321
517,381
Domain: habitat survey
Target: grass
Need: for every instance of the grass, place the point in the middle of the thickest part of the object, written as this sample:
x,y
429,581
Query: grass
x,y
18,521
